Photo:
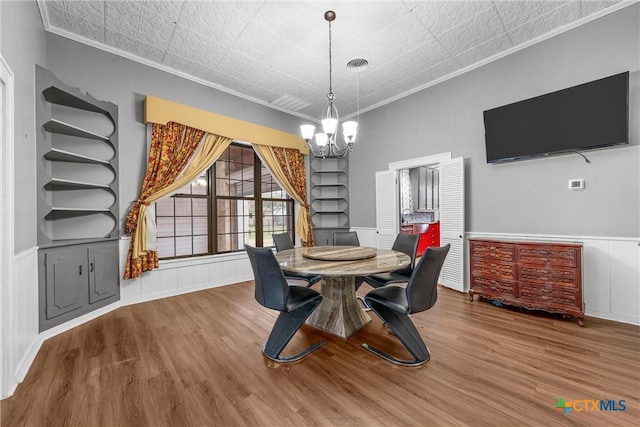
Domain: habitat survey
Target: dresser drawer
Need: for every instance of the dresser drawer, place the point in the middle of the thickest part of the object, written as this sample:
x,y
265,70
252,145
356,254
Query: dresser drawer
x,y
493,269
493,287
558,296
538,275
548,256
492,250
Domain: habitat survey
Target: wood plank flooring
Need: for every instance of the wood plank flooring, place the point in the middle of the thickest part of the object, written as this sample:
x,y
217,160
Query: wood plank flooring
x,y
195,360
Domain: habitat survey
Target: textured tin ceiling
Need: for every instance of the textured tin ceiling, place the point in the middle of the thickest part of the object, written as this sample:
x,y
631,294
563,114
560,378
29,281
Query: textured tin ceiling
x,y
276,52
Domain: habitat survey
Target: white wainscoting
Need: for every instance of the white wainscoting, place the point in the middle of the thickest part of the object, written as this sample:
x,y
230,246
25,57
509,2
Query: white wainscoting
x,y
368,236
610,270
22,340
181,276
172,278
610,273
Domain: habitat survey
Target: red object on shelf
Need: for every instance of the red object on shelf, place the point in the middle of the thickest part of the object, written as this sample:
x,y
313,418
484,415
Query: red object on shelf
x,y
429,235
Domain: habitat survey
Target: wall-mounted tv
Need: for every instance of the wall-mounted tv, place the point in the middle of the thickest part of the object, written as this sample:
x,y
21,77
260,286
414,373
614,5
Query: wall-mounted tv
x,y
583,117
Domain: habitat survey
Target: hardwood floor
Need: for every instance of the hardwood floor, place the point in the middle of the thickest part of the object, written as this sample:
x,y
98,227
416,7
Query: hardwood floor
x,y
195,360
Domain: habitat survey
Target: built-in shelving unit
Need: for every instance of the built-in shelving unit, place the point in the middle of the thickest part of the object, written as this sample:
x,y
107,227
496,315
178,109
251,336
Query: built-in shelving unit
x,y
77,177
78,163
329,197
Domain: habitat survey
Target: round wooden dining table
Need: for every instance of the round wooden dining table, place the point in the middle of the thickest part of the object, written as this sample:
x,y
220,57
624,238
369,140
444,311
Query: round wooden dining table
x,y
340,313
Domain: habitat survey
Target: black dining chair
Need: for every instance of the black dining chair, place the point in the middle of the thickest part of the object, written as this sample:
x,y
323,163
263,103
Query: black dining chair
x,y
283,242
405,243
348,238
393,304
345,238
295,303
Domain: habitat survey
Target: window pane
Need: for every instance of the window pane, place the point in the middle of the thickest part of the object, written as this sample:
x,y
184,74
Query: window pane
x,y
235,188
247,189
183,206
278,208
183,246
224,242
164,207
267,207
222,187
224,225
164,226
183,226
185,190
165,247
268,186
278,194
247,172
200,226
222,169
224,207
249,239
247,156
200,244
267,239
199,207
235,153
200,185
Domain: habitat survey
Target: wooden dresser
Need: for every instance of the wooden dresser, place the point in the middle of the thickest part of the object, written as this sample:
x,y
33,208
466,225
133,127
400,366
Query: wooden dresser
x,y
534,275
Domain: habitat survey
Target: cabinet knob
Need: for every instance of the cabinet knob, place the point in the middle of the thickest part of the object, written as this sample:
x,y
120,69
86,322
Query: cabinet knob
x,y
80,270
91,267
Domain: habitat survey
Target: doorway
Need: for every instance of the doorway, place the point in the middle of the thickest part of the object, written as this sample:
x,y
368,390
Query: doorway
x,y
451,210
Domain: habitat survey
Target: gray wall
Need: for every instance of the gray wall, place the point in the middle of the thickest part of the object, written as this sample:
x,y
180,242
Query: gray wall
x,y
23,45
124,82
526,196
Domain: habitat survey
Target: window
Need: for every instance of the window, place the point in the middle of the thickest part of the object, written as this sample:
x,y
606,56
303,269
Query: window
x,y
236,202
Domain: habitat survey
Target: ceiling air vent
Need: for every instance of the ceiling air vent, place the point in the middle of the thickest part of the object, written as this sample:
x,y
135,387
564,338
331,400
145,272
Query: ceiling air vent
x,y
357,65
290,102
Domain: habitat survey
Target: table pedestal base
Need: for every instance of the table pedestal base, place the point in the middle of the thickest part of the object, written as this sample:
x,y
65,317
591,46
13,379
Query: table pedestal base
x,y
339,313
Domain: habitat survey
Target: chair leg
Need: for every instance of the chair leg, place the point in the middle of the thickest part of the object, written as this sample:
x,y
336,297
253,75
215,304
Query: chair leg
x,y
283,330
402,327
365,307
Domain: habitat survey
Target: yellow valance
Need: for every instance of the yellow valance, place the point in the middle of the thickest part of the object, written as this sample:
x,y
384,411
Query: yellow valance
x,y
161,111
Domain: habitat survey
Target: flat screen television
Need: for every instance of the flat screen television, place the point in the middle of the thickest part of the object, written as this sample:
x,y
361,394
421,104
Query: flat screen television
x,y
583,117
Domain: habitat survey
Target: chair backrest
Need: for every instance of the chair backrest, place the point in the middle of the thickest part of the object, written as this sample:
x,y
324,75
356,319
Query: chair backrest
x,y
271,288
282,241
407,244
422,289
345,238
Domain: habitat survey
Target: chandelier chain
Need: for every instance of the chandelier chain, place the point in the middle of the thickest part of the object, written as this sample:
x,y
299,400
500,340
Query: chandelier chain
x,y
330,65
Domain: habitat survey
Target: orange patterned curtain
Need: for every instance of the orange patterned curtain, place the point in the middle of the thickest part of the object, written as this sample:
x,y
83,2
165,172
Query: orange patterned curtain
x,y
287,166
172,146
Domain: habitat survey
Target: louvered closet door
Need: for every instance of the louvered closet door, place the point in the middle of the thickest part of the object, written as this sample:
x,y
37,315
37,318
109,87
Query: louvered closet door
x,y
386,208
452,222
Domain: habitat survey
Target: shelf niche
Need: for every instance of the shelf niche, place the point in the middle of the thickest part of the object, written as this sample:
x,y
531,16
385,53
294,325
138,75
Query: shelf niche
x,y
329,196
77,171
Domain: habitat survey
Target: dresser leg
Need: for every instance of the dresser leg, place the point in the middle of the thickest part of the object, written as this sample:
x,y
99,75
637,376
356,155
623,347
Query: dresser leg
x,y
580,322
470,297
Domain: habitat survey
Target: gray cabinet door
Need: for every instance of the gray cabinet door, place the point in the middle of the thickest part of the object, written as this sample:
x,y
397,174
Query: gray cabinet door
x,y
103,271
66,280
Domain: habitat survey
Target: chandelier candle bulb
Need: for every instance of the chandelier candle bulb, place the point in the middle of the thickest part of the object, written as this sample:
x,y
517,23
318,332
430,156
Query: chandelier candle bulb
x,y
307,132
321,139
349,131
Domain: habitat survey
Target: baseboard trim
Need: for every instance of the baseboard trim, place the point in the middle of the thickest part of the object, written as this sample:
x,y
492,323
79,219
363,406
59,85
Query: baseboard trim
x,y
181,291
26,362
616,317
